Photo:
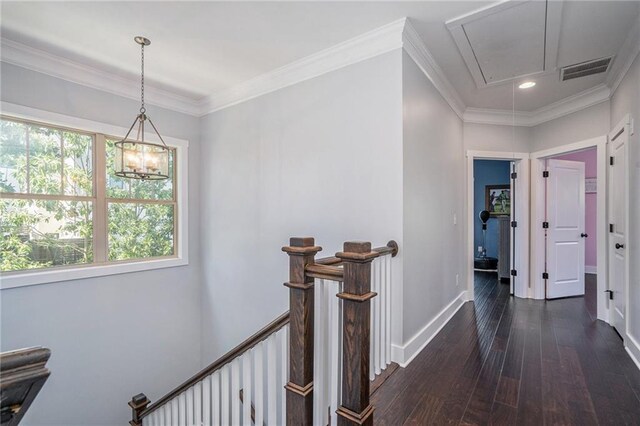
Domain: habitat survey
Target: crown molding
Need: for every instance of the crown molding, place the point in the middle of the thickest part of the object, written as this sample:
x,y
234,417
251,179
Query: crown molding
x,y
569,105
629,50
357,49
417,50
28,57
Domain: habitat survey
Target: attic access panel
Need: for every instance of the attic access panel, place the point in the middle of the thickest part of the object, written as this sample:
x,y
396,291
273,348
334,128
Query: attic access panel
x,y
508,40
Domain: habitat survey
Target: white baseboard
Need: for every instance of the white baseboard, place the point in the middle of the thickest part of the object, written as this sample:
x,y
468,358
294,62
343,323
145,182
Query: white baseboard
x,y
633,349
403,355
591,269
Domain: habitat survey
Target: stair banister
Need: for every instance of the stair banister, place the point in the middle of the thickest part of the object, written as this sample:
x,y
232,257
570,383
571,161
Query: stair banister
x,y
355,408
299,389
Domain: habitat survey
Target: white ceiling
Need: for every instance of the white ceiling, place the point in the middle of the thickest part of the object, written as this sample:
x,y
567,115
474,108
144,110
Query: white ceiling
x,y
200,48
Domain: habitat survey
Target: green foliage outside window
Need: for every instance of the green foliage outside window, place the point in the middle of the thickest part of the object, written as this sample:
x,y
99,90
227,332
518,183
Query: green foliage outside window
x,y
47,210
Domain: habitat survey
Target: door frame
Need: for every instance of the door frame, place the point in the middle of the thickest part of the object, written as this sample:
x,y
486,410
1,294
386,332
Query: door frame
x,y
624,124
538,214
521,262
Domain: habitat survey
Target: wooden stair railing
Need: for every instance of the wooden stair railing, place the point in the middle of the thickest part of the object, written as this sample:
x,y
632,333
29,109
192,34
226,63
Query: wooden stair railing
x,y
351,271
140,404
23,372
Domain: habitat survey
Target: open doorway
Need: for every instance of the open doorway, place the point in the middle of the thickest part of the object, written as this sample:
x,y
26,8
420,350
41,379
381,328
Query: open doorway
x,y
492,207
571,235
498,183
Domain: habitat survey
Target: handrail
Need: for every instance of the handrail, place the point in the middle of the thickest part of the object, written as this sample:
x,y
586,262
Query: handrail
x,y
261,335
391,247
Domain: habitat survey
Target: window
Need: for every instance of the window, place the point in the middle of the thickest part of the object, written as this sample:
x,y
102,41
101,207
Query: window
x,y
62,207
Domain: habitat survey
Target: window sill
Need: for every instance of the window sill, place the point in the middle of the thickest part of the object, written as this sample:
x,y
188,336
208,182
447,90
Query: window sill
x,y
46,276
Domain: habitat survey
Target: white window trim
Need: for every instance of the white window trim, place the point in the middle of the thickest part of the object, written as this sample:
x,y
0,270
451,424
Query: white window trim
x,y
59,274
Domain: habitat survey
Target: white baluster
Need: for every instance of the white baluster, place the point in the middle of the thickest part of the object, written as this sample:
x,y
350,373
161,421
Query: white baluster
x,y
175,419
388,308
378,329
246,389
197,406
190,406
215,398
318,340
224,396
258,364
334,353
235,392
182,409
161,418
272,364
284,372
372,325
383,313
206,401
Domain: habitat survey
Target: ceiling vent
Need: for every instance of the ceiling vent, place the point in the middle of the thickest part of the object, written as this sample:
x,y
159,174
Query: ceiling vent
x,y
584,69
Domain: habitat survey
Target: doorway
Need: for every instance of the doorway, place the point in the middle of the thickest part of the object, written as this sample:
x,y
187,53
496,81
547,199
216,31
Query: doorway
x,y
571,216
510,207
543,274
492,208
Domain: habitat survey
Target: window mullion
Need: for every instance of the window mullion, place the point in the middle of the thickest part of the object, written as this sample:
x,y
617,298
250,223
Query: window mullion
x,y
100,209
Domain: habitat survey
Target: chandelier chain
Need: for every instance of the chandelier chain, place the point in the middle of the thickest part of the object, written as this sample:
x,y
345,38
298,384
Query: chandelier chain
x,y
142,108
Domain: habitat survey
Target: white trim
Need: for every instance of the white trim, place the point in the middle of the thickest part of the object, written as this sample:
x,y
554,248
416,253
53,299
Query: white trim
x,y
417,50
585,99
44,62
589,269
403,355
521,262
25,278
629,50
632,347
357,49
538,213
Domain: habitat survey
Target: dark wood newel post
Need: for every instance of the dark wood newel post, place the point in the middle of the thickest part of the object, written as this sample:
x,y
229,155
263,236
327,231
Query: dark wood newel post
x,y
301,252
355,408
138,403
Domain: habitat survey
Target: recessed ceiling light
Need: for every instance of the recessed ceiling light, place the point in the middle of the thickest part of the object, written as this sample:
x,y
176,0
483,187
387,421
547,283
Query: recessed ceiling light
x,y
527,84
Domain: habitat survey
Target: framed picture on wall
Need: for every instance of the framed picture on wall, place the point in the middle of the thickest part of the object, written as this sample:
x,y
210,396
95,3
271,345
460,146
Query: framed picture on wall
x,y
498,200
591,185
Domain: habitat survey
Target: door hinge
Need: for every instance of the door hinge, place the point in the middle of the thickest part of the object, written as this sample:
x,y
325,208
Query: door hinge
x,y
514,273
514,224
545,275
611,161
545,174
545,225
611,227
514,175
610,294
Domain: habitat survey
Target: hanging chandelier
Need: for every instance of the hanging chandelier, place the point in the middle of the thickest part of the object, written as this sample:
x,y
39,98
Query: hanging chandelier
x,y
137,159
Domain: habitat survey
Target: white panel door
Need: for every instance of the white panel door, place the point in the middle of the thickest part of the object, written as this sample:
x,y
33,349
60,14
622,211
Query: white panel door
x,y
617,191
566,233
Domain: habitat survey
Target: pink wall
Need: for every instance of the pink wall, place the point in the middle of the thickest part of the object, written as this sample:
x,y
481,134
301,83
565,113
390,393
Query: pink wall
x,y
589,157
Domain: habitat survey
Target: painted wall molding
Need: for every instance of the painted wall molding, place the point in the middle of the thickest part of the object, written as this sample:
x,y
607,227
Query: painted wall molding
x,y
403,355
395,35
357,49
28,57
417,50
569,105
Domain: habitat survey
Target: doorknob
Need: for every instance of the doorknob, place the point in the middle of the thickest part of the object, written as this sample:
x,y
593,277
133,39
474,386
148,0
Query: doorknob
x,y
583,235
619,246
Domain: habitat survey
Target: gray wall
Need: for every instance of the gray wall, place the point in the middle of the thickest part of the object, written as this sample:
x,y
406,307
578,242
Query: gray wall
x,y
321,158
433,192
581,125
626,100
491,137
115,336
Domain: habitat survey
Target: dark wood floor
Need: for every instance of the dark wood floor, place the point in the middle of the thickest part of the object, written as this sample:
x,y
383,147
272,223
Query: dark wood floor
x,y
503,361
